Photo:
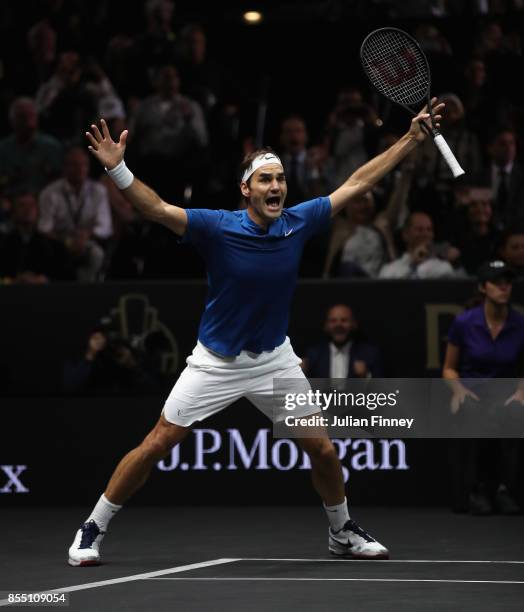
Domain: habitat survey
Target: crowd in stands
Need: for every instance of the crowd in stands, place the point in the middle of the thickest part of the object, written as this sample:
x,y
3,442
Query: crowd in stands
x,y
62,219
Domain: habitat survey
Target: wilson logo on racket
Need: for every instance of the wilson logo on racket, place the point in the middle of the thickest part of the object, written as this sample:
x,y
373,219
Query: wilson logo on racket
x,y
393,70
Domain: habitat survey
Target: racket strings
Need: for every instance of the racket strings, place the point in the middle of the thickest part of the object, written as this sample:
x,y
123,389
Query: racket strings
x,y
396,67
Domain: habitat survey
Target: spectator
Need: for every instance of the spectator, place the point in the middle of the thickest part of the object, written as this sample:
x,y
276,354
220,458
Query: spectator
x,y
26,255
108,104
434,178
355,243
512,250
29,159
477,237
303,167
351,132
461,140
108,365
41,40
169,129
202,77
129,235
476,94
156,47
486,343
75,210
343,354
419,261
220,96
64,103
505,176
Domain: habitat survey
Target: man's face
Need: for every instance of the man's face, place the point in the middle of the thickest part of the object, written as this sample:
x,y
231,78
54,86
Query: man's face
x,y
513,251
76,167
453,112
360,210
480,212
419,231
476,72
293,136
339,323
168,82
504,148
266,193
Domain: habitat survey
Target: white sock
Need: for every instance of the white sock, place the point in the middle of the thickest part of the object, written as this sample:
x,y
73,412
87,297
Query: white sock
x,y
103,512
338,515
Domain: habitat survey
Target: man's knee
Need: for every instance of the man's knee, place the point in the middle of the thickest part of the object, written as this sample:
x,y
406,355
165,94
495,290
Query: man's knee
x,y
161,440
320,450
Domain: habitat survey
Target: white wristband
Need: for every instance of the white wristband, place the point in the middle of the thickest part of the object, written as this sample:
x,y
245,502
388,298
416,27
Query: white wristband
x,y
121,175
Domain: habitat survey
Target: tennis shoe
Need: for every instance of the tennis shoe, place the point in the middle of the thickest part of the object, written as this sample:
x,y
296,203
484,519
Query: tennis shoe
x,y
353,542
85,548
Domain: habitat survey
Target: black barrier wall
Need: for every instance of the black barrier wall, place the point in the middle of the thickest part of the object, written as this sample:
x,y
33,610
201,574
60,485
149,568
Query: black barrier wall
x,y
40,327
61,450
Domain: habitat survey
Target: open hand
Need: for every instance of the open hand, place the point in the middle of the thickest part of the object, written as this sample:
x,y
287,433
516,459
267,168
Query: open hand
x,y
518,397
108,152
458,399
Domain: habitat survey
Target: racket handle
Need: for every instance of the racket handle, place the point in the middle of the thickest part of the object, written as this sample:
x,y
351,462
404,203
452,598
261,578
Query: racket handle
x,y
447,154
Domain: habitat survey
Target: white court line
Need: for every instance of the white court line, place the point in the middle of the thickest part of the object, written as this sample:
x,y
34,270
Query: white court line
x,y
354,580
367,561
100,583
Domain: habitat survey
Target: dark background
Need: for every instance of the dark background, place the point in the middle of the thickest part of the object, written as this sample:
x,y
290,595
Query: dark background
x,y
70,445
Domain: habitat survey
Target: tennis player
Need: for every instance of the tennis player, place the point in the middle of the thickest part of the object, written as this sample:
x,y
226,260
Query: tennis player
x,y
252,257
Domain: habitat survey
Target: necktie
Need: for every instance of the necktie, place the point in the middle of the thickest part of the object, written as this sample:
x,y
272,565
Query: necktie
x,y
502,191
293,185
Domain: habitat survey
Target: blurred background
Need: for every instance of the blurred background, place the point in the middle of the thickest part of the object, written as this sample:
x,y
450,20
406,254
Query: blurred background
x,y
99,307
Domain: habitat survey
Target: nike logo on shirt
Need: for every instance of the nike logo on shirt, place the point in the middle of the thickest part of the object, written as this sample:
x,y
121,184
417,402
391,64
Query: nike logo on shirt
x,y
287,233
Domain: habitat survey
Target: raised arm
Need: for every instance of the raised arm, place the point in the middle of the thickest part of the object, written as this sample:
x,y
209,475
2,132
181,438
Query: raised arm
x,y
111,155
363,179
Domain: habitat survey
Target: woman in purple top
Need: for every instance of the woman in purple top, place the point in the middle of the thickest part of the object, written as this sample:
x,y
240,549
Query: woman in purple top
x,y
486,342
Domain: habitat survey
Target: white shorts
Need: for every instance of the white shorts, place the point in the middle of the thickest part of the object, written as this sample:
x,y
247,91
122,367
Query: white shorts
x,y
210,383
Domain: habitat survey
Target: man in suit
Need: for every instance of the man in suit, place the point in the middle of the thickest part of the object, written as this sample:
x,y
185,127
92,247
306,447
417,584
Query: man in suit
x,y
343,355
505,176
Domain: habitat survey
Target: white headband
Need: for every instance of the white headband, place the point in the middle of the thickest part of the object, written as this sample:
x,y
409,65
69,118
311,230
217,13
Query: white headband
x,y
261,160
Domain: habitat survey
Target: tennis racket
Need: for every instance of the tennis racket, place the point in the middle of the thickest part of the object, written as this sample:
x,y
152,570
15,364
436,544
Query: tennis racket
x,y
396,65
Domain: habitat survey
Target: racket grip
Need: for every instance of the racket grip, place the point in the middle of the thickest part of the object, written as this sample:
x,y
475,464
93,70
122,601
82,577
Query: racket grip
x,y
447,154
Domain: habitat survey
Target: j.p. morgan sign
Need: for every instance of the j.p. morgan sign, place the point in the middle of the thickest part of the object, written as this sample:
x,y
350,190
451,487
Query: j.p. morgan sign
x,y
215,450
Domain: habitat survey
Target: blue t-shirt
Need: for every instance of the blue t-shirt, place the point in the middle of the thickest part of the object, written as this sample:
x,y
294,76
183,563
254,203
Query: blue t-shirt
x,y
480,355
251,273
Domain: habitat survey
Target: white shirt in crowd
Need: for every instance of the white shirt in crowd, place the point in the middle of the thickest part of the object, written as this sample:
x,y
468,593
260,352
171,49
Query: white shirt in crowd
x,y
339,360
364,248
429,268
62,209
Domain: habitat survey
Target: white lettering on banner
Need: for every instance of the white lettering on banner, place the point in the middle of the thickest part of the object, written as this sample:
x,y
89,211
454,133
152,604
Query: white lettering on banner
x,y
13,472
276,458
237,443
201,450
364,460
401,450
282,454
